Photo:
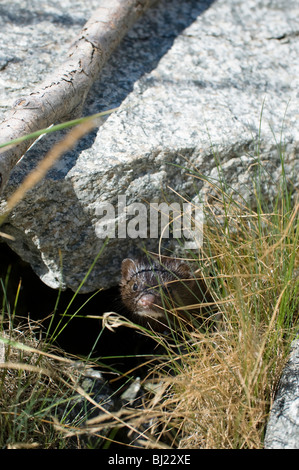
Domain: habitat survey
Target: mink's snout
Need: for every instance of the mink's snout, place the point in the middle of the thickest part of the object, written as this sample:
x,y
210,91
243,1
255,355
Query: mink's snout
x,y
146,300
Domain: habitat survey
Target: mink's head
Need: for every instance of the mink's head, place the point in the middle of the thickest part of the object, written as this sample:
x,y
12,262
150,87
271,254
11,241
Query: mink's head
x,y
149,286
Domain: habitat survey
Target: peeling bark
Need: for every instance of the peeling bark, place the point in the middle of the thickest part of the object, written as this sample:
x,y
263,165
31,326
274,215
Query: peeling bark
x,y
61,96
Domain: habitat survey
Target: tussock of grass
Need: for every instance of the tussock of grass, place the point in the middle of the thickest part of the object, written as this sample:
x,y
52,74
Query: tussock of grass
x,y
218,401
221,389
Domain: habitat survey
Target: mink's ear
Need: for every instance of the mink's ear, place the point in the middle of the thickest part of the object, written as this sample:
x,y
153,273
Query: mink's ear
x,y
128,268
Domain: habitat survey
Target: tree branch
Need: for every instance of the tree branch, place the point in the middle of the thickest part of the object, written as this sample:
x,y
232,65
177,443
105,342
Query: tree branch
x,y
61,96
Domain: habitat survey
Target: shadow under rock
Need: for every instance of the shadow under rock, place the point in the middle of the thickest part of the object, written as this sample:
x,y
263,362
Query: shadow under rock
x,y
81,335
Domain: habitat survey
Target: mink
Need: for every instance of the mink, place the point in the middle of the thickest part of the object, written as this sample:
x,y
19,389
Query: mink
x,y
161,290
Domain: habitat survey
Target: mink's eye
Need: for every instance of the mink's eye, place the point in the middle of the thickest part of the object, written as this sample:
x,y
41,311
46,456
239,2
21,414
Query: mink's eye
x,y
135,287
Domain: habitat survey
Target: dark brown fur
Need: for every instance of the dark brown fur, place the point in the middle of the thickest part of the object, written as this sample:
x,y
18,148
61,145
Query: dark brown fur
x,y
151,287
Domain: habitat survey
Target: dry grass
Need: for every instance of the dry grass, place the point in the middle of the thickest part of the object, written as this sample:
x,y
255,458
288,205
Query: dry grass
x,y
217,401
220,395
215,390
36,383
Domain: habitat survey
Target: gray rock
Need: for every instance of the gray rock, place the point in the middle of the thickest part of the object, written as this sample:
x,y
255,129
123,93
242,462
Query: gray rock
x,y
283,426
35,37
193,80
